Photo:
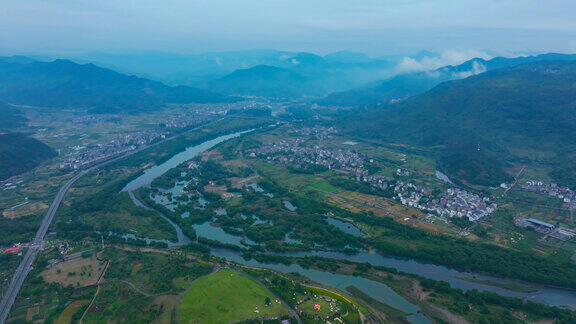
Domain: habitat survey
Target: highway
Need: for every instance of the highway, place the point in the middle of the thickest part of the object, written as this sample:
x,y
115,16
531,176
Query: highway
x,y
35,247
36,244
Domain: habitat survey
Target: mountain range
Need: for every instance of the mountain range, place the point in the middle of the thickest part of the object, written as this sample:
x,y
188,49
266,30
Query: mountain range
x,y
183,69
405,85
198,70
480,118
65,84
304,75
482,125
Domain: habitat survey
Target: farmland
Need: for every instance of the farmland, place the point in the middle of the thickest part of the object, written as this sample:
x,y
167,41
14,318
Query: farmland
x,y
80,272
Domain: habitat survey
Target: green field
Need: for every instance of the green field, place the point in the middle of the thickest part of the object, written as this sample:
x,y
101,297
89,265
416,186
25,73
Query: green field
x,y
324,186
226,296
66,316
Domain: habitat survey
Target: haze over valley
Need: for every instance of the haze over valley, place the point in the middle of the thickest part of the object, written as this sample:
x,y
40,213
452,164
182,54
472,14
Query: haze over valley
x,y
287,162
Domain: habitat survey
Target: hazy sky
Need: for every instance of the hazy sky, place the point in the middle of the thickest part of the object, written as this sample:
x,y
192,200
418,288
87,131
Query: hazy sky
x,y
375,27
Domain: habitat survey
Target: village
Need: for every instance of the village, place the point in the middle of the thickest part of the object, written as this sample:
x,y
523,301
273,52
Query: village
x,y
294,153
196,117
453,202
567,195
83,157
318,132
95,119
125,143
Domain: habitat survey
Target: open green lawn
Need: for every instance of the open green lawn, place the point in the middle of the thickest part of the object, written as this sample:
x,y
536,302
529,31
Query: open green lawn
x,y
324,186
226,296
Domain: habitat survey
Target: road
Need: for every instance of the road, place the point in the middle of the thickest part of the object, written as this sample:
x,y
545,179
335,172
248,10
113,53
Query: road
x,y
515,181
35,247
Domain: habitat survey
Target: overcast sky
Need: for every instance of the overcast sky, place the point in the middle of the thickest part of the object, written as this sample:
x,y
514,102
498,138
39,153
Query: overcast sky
x,y
376,27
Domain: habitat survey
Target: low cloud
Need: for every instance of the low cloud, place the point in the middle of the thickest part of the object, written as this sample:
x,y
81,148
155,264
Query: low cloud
x,y
477,68
432,62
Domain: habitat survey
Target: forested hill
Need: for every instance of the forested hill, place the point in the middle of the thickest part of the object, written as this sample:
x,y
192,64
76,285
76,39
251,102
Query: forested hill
x,y
10,117
64,84
409,84
522,114
20,153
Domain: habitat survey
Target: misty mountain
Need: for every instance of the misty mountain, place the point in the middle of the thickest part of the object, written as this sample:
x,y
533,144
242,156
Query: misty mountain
x,y
424,54
183,69
199,69
482,124
302,75
65,84
406,85
261,80
20,153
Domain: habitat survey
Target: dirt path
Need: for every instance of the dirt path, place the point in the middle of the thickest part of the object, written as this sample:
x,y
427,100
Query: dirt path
x,y
450,317
515,181
292,312
138,290
97,288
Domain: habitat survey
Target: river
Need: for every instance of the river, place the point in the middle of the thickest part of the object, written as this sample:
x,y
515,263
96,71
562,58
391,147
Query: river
x,y
378,291
154,172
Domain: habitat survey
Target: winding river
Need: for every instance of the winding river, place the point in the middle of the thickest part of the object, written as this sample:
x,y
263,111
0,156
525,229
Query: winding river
x,y
378,291
154,172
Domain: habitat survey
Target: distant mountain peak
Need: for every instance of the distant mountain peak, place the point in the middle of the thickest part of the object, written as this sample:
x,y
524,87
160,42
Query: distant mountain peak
x,y
304,58
423,54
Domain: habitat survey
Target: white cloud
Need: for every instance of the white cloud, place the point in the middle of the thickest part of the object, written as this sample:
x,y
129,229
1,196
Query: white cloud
x,y
448,57
477,68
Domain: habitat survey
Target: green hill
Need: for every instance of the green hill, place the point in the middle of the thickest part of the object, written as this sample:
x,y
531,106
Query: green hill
x,y
405,85
522,114
65,84
20,153
10,117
